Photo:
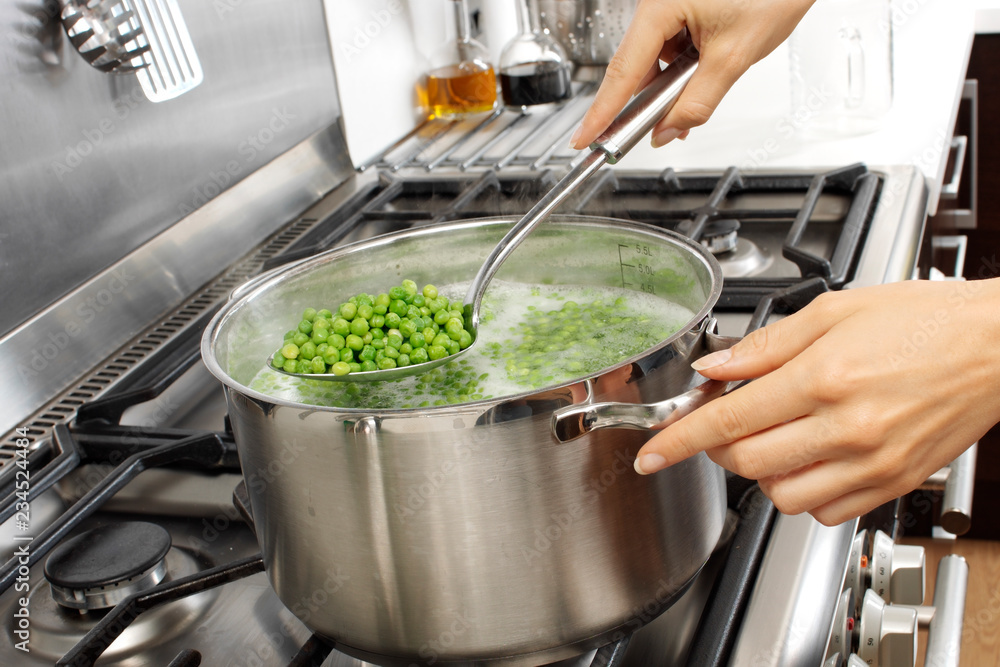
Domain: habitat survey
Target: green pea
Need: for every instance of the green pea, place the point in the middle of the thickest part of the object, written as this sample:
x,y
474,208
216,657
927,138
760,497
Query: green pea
x,y
290,365
359,326
386,364
309,314
419,355
464,339
430,292
300,339
340,368
331,356
341,326
317,365
407,328
405,348
399,307
392,321
382,302
305,326
325,314
319,335
354,342
347,354
278,360
377,321
308,351
435,352
391,352
394,339
290,351
354,366
348,311
403,360
366,311
454,328
301,366
367,353
369,365
336,341
417,339
290,334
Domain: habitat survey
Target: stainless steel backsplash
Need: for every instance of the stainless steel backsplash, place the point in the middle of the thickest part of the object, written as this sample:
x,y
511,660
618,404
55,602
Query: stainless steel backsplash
x,y
91,170
114,210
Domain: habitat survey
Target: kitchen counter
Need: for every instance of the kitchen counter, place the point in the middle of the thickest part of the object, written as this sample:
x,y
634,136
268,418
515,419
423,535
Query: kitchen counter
x,y
754,126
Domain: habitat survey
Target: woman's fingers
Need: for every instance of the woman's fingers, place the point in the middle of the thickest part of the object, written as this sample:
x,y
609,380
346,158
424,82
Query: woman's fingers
x,y
771,347
782,449
755,407
652,25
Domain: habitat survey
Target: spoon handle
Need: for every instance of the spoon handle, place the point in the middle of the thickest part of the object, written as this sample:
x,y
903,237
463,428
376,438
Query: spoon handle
x,y
635,120
648,106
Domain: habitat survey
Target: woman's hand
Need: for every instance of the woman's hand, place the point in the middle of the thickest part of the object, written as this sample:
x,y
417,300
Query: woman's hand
x,y
859,397
730,35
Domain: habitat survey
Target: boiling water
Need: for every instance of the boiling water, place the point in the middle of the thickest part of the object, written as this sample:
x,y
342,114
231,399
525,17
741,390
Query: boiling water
x,y
530,338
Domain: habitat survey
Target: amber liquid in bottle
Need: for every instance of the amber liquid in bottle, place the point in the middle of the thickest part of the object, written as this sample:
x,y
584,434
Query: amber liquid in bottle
x,y
458,90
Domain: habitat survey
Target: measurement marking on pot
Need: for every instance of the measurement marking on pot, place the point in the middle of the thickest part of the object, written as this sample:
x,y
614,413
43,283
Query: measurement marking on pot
x,y
623,265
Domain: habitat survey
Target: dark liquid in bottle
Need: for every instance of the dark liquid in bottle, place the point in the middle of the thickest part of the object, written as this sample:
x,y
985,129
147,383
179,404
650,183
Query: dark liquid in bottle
x,y
535,83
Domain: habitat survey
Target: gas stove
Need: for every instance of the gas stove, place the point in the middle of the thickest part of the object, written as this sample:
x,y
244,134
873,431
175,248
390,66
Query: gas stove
x,y
138,546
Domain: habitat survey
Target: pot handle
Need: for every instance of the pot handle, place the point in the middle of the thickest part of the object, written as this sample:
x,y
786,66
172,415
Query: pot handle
x,y
574,421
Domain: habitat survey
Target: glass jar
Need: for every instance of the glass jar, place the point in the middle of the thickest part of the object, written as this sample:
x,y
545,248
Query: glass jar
x,y
534,68
461,80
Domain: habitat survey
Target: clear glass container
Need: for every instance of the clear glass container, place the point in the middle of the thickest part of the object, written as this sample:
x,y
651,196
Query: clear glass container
x,y
534,68
461,80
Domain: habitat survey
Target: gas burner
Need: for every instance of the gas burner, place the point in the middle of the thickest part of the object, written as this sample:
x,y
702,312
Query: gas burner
x,y
103,566
720,236
744,260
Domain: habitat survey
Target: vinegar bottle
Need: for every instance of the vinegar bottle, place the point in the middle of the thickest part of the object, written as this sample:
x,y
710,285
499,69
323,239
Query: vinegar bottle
x,y
534,68
461,81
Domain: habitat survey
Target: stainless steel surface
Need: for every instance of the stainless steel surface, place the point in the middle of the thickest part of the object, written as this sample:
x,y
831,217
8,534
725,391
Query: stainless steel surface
x,y
795,597
589,30
94,171
172,64
105,33
956,506
892,244
61,344
575,421
944,637
469,519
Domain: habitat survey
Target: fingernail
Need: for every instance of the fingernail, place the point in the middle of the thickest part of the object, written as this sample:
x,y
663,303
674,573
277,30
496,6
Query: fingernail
x,y
575,136
649,463
684,135
712,360
664,137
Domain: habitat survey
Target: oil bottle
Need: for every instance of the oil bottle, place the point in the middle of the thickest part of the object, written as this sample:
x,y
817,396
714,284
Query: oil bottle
x,y
461,81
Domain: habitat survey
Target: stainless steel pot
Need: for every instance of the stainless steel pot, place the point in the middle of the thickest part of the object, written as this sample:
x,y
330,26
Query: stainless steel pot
x,y
470,532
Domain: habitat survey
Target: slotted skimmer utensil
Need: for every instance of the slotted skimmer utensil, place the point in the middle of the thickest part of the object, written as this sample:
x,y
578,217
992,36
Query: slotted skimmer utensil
x,y
147,37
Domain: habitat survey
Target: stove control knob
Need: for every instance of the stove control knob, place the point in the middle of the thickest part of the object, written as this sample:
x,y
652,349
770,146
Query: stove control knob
x,y
843,627
888,634
897,570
